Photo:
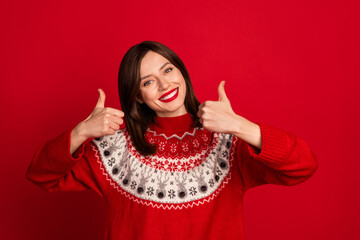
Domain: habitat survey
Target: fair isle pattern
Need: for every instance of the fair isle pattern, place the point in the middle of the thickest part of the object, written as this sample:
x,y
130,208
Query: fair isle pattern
x,y
173,189
173,135
166,206
175,153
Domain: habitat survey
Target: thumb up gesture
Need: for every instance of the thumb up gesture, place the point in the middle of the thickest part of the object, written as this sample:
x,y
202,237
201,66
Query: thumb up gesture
x,y
217,116
102,121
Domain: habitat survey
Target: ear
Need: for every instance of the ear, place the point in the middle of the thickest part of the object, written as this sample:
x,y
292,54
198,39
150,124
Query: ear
x,y
139,100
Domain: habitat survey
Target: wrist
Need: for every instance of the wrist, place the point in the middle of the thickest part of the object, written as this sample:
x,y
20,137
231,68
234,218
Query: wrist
x,y
240,126
248,131
79,133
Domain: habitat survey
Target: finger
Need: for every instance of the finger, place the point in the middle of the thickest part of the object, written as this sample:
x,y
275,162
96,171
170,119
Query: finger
x,y
221,91
200,111
200,120
114,126
115,112
101,100
117,120
201,106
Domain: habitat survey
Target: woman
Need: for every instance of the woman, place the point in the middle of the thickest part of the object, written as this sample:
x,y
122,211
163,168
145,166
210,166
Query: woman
x,y
179,169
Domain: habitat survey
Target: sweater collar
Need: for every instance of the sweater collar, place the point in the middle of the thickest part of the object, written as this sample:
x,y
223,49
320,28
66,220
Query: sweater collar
x,y
177,124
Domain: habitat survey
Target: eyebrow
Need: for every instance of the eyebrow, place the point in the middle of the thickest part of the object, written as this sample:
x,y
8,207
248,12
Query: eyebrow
x,y
159,70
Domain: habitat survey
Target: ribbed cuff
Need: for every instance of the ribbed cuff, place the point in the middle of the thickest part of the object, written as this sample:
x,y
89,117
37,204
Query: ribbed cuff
x,y
275,148
61,145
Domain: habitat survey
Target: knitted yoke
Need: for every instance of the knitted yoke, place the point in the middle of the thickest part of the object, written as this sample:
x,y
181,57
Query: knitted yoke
x,y
191,164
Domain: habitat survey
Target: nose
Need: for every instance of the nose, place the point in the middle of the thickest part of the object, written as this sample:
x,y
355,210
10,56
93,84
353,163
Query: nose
x,y
163,84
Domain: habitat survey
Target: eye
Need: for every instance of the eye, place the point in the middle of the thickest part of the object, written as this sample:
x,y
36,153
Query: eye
x,y
168,70
147,82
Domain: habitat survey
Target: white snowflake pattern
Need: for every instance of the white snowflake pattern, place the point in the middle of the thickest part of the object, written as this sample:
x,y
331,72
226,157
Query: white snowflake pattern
x,y
162,146
185,147
196,143
204,138
173,148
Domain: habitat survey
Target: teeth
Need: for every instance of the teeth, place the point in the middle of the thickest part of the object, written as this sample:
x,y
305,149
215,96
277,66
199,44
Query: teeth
x,y
170,95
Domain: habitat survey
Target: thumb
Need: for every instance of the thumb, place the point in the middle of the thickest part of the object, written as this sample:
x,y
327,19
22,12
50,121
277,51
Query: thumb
x,y
101,100
221,92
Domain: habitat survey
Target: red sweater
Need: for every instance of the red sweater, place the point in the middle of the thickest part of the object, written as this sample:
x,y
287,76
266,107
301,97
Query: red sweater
x,y
192,188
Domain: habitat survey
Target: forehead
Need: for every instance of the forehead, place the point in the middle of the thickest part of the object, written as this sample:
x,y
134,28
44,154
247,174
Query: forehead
x,y
151,62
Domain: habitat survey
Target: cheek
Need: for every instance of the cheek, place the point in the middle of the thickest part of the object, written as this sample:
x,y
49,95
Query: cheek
x,y
148,95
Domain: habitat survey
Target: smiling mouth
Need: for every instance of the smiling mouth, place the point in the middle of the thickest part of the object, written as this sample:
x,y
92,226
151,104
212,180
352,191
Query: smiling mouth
x,y
169,96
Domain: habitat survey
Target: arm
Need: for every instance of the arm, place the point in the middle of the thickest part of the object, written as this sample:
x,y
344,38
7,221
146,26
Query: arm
x,y
64,162
284,159
266,154
53,168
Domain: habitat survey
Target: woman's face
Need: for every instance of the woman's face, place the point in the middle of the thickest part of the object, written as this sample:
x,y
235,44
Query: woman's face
x,y
162,86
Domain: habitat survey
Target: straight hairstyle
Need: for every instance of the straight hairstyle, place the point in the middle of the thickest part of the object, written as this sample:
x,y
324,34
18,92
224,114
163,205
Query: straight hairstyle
x,y
138,116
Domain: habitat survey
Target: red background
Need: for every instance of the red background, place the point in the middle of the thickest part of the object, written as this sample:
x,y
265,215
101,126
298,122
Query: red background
x,y
290,64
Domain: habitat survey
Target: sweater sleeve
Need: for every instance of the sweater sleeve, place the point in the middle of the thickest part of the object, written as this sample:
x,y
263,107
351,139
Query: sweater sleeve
x,y
53,168
285,159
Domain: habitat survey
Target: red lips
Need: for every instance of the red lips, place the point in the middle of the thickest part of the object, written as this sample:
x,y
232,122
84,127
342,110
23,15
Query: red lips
x,y
170,95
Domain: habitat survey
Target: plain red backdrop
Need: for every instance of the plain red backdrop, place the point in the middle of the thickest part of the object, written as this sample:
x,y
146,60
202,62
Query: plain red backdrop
x,y
291,64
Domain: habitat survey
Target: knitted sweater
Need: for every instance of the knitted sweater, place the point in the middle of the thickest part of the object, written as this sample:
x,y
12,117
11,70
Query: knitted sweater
x,y
192,188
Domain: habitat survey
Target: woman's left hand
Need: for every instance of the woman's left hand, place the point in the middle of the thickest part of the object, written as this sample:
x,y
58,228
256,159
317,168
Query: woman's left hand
x,y
218,116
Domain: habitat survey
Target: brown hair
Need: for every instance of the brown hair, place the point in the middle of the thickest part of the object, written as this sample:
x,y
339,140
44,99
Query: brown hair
x,y
138,116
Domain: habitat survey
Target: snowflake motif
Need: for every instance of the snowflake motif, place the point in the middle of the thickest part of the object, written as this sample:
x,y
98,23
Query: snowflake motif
x,y
104,144
151,140
171,194
204,138
192,191
162,146
224,154
190,180
207,172
153,180
171,182
173,148
211,182
133,185
137,174
121,175
185,147
219,172
196,143
150,191
111,162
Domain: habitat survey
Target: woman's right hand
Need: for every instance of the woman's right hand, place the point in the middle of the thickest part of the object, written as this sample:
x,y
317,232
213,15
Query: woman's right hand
x,y
102,121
